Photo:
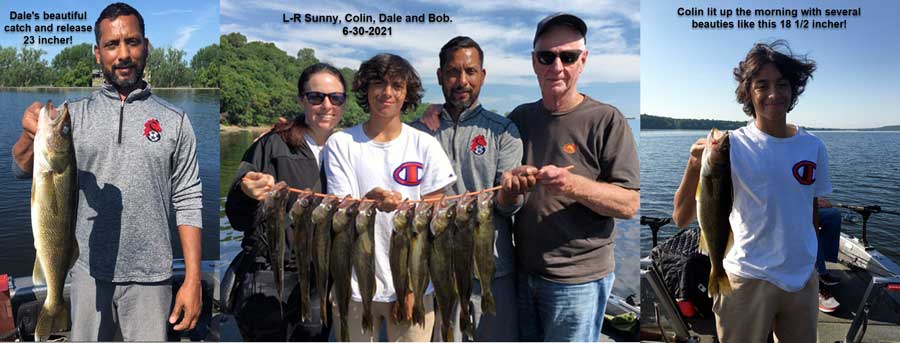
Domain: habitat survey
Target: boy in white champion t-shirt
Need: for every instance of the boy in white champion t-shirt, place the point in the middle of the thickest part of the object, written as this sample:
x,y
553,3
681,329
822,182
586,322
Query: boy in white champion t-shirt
x,y
386,160
778,170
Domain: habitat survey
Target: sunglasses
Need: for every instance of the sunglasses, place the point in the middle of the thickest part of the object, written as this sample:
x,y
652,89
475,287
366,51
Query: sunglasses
x,y
316,98
548,57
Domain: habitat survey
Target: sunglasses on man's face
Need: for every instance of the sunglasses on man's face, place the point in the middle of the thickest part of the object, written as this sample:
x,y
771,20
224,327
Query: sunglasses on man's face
x,y
316,98
548,57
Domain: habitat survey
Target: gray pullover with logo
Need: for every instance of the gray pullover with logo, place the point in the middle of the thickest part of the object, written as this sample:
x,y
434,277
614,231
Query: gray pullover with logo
x,y
137,175
479,164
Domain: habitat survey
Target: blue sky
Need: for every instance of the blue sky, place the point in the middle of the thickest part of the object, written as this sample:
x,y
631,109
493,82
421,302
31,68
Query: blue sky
x,y
686,73
504,29
186,25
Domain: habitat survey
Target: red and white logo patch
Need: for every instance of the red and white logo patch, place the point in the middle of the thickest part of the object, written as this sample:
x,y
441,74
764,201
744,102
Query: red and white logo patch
x,y
805,172
152,130
479,145
409,173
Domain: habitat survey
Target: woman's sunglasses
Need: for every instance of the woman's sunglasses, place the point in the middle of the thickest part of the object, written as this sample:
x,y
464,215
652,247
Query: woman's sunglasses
x,y
316,98
548,57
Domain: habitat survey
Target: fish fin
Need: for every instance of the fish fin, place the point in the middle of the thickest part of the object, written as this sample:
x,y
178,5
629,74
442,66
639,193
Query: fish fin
x,y
37,275
487,303
724,285
730,242
702,246
75,252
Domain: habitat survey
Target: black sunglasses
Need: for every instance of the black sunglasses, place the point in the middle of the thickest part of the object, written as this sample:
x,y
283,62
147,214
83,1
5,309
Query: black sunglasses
x,y
548,57
316,98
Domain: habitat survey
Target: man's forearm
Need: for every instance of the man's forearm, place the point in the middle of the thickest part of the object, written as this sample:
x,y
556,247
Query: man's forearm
x,y
603,198
190,248
685,197
23,152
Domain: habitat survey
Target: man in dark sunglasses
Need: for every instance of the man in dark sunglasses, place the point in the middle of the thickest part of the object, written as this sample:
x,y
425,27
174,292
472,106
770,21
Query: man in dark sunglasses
x,y
565,229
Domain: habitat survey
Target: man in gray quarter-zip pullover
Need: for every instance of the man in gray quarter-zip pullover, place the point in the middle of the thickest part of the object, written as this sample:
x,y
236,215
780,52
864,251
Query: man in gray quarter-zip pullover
x,y
482,145
137,169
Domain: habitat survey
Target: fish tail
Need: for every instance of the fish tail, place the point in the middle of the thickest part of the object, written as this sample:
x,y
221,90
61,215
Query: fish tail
x,y
418,312
718,282
367,323
487,302
345,331
54,317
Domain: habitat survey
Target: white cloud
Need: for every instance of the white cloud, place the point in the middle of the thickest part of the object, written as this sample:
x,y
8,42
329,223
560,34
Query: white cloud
x,y
184,35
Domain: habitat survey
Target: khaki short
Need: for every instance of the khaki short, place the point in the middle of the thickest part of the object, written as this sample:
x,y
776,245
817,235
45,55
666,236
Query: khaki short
x,y
755,308
381,313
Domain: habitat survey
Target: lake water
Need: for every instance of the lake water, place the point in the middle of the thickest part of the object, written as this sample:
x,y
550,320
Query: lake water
x,y
863,168
17,253
627,251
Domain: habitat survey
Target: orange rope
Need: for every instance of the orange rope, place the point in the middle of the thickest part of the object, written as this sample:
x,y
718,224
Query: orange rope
x,y
321,195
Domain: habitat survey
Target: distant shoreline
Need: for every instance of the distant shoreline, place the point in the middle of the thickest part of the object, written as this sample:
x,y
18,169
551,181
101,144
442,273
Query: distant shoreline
x,y
234,128
651,122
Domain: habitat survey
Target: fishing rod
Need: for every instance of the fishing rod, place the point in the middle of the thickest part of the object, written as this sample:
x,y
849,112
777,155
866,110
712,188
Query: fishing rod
x,y
865,212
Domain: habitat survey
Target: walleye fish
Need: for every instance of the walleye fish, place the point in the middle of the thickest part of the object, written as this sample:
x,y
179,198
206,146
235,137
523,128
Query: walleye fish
x,y
364,260
399,256
714,200
484,250
321,220
271,223
418,259
53,191
301,220
463,260
441,265
341,261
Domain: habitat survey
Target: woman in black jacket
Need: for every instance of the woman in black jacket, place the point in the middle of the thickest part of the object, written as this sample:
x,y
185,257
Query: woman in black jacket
x,y
290,152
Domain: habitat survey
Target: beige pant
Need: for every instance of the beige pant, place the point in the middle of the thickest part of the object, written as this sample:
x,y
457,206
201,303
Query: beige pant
x,y
755,308
381,313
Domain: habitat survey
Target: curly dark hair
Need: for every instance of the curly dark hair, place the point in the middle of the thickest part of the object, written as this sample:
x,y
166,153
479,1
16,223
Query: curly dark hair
x,y
796,69
387,67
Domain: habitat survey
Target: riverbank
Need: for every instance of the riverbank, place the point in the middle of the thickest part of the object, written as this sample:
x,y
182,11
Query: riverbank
x,y
234,128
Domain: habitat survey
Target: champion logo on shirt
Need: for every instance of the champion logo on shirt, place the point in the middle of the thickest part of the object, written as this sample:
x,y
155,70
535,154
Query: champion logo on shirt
x,y
409,173
152,130
479,145
569,148
804,172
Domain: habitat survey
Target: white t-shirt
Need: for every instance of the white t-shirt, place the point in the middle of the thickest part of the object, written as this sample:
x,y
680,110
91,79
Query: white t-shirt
x,y
775,180
316,149
413,164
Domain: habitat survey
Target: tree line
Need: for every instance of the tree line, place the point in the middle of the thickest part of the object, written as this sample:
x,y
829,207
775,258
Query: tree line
x,y
258,82
74,65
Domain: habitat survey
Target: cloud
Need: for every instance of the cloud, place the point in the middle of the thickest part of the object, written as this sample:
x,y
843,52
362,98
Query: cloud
x,y
184,35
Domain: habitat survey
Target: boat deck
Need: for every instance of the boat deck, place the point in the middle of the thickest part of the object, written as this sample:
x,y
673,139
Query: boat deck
x,y
884,316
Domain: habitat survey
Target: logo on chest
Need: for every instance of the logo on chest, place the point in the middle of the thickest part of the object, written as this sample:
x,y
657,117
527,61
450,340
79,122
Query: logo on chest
x,y
478,145
152,130
805,172
409,173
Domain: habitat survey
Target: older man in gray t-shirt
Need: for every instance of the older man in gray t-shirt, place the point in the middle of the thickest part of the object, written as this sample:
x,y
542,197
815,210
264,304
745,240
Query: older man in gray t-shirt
x,y
565,230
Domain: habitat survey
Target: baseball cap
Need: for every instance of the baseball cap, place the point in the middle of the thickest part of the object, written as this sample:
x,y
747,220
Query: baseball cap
x,y
560,19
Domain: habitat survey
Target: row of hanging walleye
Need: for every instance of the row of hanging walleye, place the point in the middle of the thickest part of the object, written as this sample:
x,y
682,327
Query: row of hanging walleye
x,y
444,241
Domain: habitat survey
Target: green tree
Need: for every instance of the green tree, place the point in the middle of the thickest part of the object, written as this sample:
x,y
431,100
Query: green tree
x,y
167,68
74,65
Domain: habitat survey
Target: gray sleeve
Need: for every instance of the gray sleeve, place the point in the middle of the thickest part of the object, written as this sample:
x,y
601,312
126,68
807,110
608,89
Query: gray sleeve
x,y
186,187
18,173
510,157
